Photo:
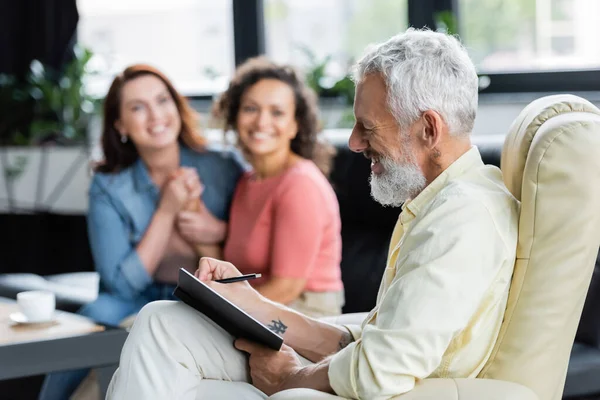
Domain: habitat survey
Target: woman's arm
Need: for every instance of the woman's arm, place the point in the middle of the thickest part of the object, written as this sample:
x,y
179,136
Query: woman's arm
x,y
201,227
124,268
282,290
210,250
151,248
298,232
176,193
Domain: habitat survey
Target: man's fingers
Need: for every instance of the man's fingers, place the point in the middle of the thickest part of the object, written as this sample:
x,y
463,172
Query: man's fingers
x,y
205,269
246,345
198,273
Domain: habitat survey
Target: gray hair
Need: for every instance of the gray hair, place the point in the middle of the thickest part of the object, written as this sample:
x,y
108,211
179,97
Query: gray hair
x,y
425,70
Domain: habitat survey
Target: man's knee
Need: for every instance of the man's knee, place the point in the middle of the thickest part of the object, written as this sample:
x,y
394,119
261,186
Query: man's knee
x,y
173,314
157,311
154,308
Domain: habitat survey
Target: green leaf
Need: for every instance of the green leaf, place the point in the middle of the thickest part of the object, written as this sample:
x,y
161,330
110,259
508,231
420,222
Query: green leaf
x,y
47,102
446,21
12,172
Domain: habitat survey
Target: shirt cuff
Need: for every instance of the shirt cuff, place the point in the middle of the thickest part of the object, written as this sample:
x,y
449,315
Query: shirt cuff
x,y
341,375
134,272
355,330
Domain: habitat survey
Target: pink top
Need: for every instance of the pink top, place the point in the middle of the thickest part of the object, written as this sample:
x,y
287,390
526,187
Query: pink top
x,y
287,226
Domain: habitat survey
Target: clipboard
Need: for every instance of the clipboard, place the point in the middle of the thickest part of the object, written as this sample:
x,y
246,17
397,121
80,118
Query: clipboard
x,y
224,313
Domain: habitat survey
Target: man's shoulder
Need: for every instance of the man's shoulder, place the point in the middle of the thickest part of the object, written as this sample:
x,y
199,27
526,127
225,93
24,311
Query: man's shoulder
x,y
473,207
478,196
481,185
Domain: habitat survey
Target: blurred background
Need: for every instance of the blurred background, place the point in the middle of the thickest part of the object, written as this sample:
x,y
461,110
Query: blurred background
x,y
59,56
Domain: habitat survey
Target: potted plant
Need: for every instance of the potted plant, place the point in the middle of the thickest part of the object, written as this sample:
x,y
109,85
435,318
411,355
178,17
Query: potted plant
x,y
336,94
44,150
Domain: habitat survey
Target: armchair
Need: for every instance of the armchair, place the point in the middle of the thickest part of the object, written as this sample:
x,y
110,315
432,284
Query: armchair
x,y
551,163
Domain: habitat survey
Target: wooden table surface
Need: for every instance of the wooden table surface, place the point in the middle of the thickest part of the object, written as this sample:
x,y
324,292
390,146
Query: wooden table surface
x,y
64,325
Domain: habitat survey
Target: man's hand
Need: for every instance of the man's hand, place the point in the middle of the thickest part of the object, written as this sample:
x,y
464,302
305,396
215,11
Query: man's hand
x,y
239,293
271,371
210,269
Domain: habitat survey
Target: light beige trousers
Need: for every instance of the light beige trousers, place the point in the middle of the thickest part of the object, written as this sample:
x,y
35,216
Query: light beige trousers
x,y
314,304
174,352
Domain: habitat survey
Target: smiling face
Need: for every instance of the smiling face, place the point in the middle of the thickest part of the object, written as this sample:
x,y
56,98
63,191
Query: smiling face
x,y
266,120
148,114
395,172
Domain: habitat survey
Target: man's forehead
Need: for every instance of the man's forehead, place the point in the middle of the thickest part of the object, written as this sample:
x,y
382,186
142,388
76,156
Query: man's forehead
x,y
372,85
370,106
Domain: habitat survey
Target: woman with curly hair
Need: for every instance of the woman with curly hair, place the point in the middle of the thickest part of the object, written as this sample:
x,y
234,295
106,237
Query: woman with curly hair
x,y
284,219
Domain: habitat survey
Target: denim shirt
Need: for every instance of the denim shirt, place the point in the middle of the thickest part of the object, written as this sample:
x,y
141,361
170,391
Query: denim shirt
x,y
122,205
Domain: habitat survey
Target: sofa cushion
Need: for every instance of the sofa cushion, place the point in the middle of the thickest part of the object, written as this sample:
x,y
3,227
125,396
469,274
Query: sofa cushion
x,y
588,331
583,371
366,230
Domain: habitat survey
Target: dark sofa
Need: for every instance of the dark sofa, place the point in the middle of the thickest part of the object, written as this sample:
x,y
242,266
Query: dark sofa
x,y
366,231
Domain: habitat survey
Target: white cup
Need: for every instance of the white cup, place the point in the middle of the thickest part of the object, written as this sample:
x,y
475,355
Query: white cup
x,y
37,305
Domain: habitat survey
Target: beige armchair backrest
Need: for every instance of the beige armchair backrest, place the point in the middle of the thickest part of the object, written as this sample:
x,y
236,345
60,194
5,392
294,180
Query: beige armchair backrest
x,y
551,162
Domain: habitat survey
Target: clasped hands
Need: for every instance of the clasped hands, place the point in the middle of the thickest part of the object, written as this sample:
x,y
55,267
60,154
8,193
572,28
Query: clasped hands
x,y
271,371
181,197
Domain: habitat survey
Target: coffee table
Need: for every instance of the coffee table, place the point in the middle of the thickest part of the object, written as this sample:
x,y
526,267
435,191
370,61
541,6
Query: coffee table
x,y
70,342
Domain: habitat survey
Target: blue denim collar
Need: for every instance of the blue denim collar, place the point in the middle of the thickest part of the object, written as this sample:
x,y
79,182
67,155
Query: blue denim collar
x,y
141,176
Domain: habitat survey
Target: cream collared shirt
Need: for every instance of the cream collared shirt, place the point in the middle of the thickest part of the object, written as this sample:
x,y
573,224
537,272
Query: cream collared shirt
x,y
444,290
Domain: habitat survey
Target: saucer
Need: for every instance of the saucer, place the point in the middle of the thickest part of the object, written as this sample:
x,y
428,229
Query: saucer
x,y
20,318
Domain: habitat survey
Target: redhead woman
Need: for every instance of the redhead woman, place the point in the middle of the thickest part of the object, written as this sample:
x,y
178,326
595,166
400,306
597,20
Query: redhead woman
x,y
159,200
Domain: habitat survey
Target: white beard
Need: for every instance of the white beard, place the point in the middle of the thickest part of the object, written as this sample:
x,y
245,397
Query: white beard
x,y
397,183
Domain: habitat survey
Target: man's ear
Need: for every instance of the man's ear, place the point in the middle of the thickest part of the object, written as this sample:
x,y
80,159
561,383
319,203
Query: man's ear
x,y
432,129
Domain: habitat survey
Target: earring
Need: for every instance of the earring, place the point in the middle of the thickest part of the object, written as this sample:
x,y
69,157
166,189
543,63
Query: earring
x,y
123,138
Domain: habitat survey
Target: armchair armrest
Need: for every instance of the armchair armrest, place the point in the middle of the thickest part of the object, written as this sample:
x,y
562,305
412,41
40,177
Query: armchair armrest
x,y
468,389
428,389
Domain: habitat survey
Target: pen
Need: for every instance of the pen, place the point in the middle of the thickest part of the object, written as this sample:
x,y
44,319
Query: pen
x,y
239,278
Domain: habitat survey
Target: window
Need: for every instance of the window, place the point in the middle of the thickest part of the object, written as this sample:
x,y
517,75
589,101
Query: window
x,y
307,32
191,41
324,38
531,35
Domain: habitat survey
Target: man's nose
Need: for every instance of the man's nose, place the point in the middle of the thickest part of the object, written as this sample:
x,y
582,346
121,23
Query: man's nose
x,y
356,142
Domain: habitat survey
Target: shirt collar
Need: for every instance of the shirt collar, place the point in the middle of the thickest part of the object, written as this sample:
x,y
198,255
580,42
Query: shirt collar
x,y
467,161
141,176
